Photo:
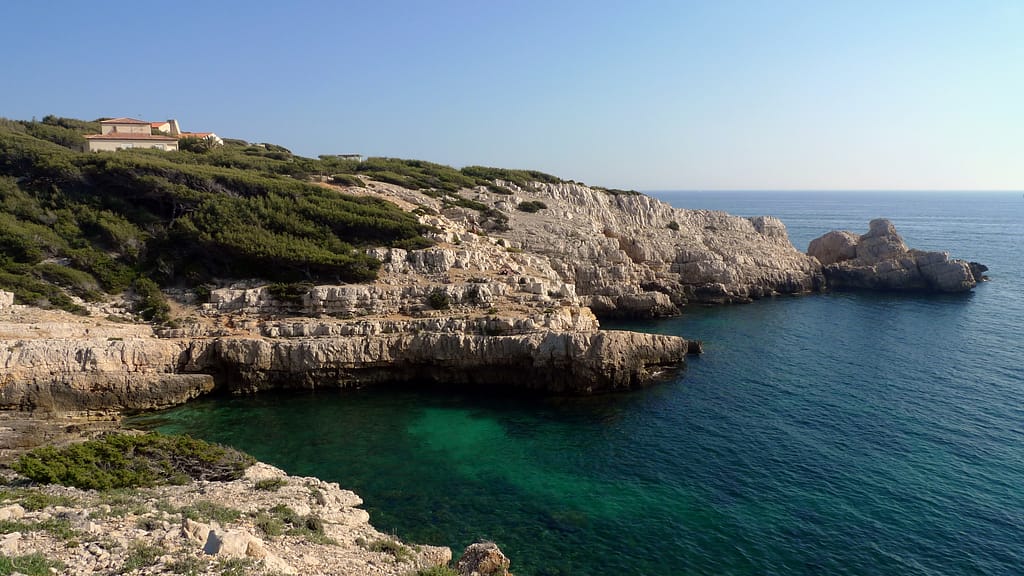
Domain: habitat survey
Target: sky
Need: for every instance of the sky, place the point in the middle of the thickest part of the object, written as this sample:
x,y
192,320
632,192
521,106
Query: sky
x,y
645,94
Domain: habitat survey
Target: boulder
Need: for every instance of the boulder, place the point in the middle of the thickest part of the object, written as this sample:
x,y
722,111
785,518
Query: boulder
x,y
483,559
6,300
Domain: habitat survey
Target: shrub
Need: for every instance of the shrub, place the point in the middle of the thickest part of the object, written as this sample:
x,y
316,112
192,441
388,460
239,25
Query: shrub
x,y
125,461
270,484
141,555
400,552
347,180
673,225
204,511
150,301
290,293
439,299
531,206
280,517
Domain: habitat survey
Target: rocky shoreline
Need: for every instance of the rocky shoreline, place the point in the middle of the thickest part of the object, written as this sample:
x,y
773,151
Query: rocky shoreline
x,y
264,523
515,305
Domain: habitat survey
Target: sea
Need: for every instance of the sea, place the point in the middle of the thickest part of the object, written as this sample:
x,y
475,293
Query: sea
x,y
840,433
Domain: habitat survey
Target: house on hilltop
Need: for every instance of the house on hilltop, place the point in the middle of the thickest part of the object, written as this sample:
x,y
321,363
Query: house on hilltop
x,y
119,133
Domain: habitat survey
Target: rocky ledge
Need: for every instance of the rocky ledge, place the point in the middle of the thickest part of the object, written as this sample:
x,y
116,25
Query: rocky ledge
x,y
265,523
880,260
96,367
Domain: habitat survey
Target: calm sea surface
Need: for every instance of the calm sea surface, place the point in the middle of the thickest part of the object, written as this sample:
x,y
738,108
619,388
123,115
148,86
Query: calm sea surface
x,y
831,434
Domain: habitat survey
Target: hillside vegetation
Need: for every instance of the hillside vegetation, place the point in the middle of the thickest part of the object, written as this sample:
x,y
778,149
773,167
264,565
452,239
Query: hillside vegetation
x,y
84,224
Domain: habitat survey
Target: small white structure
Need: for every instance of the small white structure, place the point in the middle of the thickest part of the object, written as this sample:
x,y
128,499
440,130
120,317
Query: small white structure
x,y
120,133
172,128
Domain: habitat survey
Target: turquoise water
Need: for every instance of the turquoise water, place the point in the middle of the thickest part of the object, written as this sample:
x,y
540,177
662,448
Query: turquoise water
x,y
833,434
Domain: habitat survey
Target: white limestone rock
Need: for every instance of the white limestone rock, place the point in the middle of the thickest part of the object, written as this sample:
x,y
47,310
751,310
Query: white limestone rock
x,y
880,260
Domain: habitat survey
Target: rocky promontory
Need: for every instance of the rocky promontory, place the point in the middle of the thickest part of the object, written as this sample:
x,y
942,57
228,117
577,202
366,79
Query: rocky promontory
x,y
880,260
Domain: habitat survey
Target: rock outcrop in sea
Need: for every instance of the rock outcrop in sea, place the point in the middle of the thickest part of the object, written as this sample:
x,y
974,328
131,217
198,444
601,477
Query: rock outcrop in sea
x,y
880,260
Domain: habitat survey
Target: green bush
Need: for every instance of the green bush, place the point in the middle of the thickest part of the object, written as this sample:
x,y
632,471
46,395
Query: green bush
x,y
439,299
531,206
400,552
126,461
346,180
150,301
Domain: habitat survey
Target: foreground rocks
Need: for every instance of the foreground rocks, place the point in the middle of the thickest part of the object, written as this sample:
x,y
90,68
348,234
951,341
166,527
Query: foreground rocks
x,y
880,260
266,523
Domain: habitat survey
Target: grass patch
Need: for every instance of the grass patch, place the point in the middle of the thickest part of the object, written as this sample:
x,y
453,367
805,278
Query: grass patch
x,y
126,461
29,564
189,566
270,484
310,527
141,555
59,528
400,552
33,500
236,567
271,526
204,511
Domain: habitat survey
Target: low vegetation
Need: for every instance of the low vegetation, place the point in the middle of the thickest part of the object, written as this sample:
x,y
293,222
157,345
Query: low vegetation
x,y
76,225
531,206
29,565
283,520
127,461
399,551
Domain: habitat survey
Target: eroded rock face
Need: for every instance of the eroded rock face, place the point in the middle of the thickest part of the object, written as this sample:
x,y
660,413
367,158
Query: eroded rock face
x,y
95,374
561,350
483,559
633,255
880,260
580,362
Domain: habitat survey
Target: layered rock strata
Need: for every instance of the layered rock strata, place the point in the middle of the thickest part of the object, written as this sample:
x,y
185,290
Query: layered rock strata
x,y
561,351
880,260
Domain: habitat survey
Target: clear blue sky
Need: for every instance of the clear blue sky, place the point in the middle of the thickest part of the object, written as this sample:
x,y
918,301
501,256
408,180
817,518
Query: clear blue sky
x,y
756,94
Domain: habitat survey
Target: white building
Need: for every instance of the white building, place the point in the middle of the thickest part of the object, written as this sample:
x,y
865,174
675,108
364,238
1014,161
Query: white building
x,y
120,133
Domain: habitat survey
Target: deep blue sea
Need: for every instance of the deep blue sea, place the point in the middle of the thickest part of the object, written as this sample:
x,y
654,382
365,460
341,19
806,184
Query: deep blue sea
x,y
828,434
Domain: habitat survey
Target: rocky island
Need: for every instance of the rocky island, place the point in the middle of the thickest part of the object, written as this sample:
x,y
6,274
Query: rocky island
x,y
880,260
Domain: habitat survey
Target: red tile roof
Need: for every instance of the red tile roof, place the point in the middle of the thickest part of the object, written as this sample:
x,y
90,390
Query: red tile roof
x,y
124,136
123,121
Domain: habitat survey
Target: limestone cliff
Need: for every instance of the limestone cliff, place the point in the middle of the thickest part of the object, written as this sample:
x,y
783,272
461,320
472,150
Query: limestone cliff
x,y
630,254
563,351
880,260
